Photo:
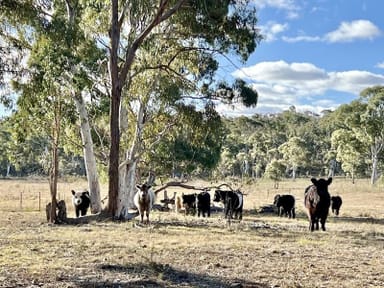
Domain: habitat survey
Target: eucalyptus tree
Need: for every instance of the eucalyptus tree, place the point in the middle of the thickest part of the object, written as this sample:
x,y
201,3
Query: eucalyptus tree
x,y
54,28
192,147
275,171
178,40
187,36
12,47
295,153
44,105
25,150
364,118
373,125
349,151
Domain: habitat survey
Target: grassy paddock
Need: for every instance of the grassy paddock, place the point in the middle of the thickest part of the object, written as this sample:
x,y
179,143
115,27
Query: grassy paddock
x,y
183,251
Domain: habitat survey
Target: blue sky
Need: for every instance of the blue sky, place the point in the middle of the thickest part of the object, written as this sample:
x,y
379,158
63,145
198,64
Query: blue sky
x,y
316,55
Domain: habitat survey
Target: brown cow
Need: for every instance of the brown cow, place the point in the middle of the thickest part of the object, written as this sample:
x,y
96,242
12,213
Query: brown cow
x,y
317,201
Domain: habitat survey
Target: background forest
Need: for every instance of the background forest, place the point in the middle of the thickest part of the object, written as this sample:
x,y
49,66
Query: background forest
x,y
285,145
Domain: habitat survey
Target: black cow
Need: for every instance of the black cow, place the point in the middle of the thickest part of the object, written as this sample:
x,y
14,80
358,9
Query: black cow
x,y
200,202
189,203
285,205
317,201
203,203
336,204
233,203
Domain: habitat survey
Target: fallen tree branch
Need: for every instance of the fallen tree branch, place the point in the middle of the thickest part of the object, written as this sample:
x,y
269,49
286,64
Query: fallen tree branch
x,y
183,185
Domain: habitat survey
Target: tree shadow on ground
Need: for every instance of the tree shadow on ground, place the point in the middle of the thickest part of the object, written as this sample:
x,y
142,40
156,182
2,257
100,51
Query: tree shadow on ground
x,y
159,275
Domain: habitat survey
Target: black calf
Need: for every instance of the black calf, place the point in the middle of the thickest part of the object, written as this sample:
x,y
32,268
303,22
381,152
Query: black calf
x,y
201,202
336,204
285,205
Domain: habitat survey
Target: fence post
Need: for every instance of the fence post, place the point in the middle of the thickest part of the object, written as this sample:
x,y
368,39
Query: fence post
x,y
39,201
21,200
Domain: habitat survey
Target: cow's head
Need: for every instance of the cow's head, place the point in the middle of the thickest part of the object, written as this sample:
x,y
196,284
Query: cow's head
x,y
217,197
276,200
143,189
322,185
77,197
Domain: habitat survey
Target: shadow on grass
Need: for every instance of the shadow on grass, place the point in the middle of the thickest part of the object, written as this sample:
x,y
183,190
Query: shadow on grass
x,y
367,220
158,275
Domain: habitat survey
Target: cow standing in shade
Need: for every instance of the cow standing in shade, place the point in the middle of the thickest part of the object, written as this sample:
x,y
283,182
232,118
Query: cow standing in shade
x,y
285,205
203,203
197,202
317,201
144,200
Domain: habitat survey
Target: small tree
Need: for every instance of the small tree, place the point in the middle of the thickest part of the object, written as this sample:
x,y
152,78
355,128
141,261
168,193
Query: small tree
x,y
349,150
275,171
295,154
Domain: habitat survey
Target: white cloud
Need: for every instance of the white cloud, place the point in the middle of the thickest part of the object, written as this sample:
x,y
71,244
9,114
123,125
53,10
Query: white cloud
x,y
289,6
281,84
272,29
350,31
346,32
280,4
302,39
380,65
279,72
354,81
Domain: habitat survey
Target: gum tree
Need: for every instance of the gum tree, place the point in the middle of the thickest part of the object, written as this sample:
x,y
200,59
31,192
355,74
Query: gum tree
x,y
184,37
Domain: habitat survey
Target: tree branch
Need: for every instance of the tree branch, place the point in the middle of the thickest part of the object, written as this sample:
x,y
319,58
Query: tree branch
x,y
159,17
183,185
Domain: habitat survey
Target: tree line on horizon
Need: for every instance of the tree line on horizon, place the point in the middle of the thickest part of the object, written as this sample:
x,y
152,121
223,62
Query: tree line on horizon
x,y
277,146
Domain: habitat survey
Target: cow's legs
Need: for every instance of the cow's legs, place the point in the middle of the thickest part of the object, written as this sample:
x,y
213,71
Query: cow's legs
x,y
323,219
313,223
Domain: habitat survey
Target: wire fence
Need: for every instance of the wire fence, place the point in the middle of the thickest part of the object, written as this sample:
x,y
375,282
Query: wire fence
x,y
28,201
27,195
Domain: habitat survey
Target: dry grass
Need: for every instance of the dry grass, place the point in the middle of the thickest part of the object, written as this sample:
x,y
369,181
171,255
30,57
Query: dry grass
x,y
178,251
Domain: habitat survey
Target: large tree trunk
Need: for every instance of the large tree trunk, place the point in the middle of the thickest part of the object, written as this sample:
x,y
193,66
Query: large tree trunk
x,y
127,190
89,156
53,176
54,171
114,151
128,169
118,77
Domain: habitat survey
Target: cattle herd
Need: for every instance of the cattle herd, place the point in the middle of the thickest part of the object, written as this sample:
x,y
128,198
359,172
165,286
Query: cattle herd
x,y
317,202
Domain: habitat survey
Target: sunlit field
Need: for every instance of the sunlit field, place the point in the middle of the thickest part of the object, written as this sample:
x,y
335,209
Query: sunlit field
x,y
263,250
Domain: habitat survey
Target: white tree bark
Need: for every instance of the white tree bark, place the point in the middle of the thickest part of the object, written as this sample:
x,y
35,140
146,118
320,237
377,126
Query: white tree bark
x,y
89,155
127,170
376,148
